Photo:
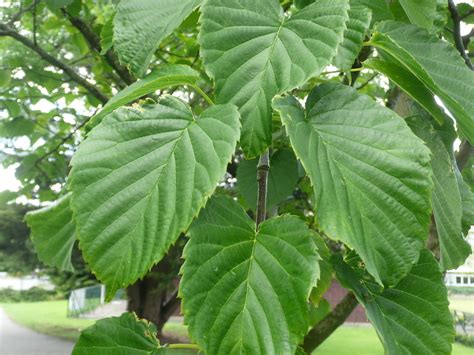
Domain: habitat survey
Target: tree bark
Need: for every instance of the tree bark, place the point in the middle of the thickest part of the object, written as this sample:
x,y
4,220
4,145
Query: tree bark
x,y
330,323
147,298
155,296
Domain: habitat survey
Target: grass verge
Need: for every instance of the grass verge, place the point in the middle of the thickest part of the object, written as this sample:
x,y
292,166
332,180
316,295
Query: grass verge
x,y
50,318
363,340
47,317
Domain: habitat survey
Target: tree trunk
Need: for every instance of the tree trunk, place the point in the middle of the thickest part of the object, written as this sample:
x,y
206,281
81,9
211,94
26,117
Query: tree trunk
x,y
154,297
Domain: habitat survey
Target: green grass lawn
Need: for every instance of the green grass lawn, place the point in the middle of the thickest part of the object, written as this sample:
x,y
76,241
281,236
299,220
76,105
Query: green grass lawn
x,y
47,317
362,340
50,318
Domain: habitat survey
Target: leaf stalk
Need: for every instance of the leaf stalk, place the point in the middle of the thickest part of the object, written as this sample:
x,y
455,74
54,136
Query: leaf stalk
x,y
203,94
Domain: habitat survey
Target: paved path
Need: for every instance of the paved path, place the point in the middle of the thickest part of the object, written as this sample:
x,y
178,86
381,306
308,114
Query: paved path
x,y
17,340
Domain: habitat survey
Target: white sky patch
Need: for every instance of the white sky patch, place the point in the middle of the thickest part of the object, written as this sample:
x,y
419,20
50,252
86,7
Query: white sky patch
x,y
8,180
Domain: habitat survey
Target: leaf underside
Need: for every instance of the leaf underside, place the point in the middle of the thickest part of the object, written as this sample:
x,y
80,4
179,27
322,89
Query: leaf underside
x,y
164,77
446,197
53,233
420,12
436,64
412,317
140,26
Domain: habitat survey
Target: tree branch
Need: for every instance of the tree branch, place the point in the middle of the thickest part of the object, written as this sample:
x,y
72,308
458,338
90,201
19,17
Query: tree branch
x,y
8,31
466,149
330,323
262,180
59,145
170,306
457,33
93,41
16,17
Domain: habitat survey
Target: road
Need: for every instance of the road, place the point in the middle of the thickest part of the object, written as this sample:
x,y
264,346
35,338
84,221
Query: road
x,y
18,340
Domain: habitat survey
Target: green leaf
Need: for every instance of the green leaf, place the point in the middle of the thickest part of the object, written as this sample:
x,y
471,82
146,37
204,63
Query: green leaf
x,y
357,26
106,35
299,4
53,233
57,4
140,26
246,291
254,52
447,204
319,312
140,178
468,173
19,126
420,12
409,84
370,173
13,108
435,63
124,335
75,8
164,77
379,8
411,318
467,198
5,77
282,178
466,12
326,271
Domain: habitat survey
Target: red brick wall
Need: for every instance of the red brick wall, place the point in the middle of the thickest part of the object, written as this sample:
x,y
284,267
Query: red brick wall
x,y
335,294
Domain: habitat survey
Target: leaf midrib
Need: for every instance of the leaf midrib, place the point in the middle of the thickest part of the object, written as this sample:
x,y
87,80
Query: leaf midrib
x,y
265,68
148,195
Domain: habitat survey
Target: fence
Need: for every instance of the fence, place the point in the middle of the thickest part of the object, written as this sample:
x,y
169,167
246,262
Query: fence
x,y
87,299
83,300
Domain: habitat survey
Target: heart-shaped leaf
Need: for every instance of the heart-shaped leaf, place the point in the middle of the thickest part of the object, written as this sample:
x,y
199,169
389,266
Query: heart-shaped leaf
x,y
254,52
371,176
246,291
140,178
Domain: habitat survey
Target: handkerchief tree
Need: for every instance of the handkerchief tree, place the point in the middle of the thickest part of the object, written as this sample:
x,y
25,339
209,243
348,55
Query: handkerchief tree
x,y
351,125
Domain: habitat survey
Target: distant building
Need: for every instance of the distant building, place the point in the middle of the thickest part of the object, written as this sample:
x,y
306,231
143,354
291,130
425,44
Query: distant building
x,y
24,282
463,276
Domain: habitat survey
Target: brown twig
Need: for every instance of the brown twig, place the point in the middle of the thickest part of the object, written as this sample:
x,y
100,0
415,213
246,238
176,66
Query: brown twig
x,y
262,180
330,323
457,33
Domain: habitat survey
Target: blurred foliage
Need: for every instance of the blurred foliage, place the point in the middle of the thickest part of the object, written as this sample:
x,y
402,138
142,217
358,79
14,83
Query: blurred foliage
x,y
34,294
